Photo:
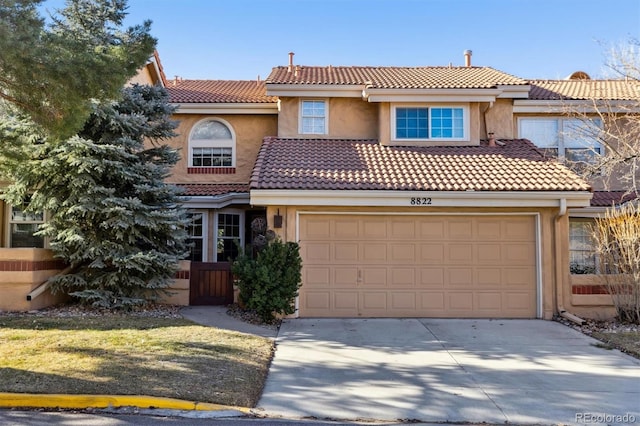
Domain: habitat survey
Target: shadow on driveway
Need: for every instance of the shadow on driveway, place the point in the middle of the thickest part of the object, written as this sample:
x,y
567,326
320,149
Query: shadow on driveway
x,y
496,371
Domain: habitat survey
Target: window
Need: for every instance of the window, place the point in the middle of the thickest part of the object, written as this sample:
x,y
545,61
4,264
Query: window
x,y
23,226
582,257
313,117
429,123
212,144
228,236
197,237
569,139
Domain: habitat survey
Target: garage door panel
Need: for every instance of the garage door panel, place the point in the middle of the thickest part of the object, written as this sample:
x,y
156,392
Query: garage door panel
x,y
402,253
317,276
459,277
345,229
402,277
403,229
374,229
373,253
432,253
418,266
460,253
432,277
403,301
344,277
431,229
317,252
372,277
345,252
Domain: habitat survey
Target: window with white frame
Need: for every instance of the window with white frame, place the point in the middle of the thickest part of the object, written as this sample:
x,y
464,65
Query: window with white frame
x,y
229,232
582,256
212,144
22,227
415,123
313,117
197,230
564,138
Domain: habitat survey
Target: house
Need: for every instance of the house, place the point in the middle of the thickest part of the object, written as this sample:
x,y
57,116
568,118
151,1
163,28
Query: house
x,y
413,191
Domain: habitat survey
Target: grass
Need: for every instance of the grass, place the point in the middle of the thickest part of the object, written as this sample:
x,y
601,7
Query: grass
x,y
131,355
625,341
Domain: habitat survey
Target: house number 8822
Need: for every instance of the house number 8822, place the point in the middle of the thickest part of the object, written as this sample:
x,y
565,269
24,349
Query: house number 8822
x,y
420,201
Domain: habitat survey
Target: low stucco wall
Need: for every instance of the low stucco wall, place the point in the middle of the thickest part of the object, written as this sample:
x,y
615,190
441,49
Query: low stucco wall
x,y
21,271
586,296
179,289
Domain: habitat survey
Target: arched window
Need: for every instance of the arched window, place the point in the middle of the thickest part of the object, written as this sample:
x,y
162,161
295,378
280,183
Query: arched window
x,y
212,144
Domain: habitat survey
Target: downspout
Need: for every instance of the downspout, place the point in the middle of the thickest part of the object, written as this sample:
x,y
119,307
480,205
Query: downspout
x,y
559,275
45,285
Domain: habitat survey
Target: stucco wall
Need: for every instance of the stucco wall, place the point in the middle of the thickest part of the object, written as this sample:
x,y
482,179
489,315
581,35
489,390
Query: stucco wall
x,y
349,118
23,270
179,289
498,119
249,130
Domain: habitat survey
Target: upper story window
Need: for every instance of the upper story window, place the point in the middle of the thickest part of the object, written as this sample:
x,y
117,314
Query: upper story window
x,y
564,138
23,226
313,117
438,123
212,143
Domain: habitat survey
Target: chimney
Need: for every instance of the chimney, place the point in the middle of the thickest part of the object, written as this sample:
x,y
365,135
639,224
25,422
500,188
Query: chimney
x,y
467,58
290,62
492,139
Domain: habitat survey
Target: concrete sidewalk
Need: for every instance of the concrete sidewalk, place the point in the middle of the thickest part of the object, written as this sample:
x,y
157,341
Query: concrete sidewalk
x,y
216,316
495,371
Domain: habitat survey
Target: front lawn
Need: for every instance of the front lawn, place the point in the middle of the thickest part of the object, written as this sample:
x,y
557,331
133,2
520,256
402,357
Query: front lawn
x,y
131,354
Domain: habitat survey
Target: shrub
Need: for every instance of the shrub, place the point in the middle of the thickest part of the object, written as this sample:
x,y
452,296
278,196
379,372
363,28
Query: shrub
x,y
617,237
269,281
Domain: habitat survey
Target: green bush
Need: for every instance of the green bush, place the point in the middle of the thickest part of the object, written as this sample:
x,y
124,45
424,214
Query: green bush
x,y
269,282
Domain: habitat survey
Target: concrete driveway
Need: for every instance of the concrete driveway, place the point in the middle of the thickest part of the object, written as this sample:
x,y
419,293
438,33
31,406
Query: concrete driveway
x,y
495,371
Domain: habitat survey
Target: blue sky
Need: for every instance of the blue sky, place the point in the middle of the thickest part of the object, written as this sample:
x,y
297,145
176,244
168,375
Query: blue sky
x,y
244,39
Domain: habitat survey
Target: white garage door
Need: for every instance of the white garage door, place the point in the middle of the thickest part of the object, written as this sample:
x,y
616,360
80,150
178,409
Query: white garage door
x,y
418,266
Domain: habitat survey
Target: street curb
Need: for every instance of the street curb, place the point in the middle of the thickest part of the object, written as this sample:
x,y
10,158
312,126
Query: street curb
x,y
31,400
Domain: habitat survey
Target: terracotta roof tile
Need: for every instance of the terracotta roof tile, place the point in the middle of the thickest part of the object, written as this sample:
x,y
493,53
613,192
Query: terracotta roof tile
x,y
218,91
584,89
611,198
212,189
396,77
322,164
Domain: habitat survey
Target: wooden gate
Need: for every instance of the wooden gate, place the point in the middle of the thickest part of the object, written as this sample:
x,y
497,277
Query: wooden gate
x,y
210,283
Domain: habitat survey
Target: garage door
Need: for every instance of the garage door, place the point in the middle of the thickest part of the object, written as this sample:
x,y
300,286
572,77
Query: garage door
x,y
418,266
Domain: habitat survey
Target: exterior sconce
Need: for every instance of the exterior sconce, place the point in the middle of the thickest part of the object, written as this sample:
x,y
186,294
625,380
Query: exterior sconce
x,y
277,220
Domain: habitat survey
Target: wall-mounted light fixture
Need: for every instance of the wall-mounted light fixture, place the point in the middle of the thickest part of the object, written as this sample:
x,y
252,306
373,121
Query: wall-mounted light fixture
x,y
277,220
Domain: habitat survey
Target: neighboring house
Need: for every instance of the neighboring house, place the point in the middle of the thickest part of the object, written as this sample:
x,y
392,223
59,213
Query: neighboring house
x,y
413,191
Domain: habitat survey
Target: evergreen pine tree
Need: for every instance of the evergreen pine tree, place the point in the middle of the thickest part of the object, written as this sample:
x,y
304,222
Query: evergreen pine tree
x,y
110,215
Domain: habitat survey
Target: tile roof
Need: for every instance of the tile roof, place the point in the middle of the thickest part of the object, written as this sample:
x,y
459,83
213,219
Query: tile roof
x,y
611,198
396,77
346,164
212,189
218,91
584,89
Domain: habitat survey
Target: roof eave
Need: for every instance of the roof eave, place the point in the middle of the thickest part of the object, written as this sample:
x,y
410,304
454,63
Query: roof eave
x,y
377,198
586,106
314,90
227,108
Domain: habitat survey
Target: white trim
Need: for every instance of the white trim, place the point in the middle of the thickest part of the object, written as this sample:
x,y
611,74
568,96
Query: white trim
x,y
380,198
205,232
568,106
215,202
538,238
212,143
226,108
310,90
430,95
465,123
325,101
215,229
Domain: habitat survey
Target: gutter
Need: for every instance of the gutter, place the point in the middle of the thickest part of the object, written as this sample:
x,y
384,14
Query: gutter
x,y
559,298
